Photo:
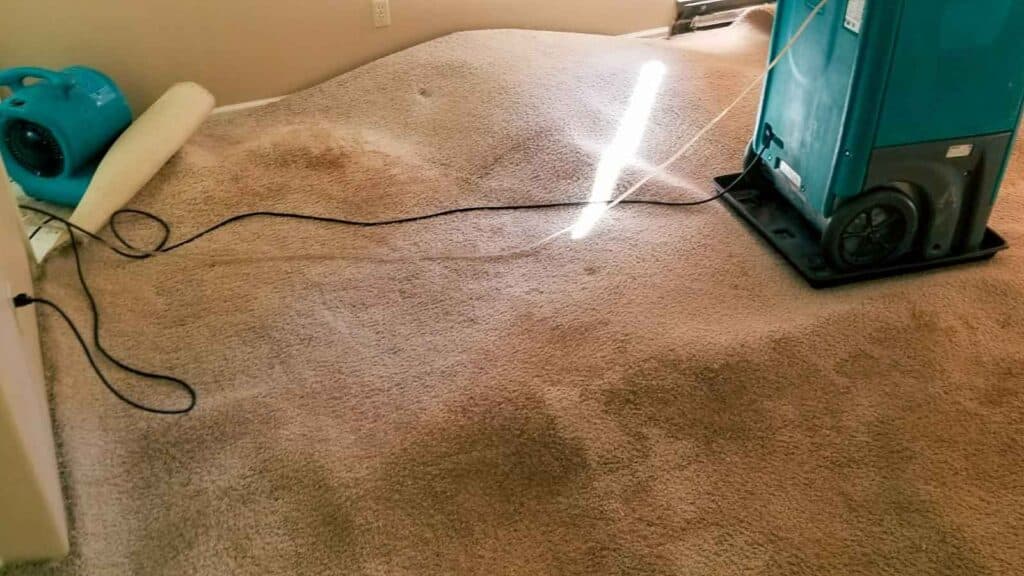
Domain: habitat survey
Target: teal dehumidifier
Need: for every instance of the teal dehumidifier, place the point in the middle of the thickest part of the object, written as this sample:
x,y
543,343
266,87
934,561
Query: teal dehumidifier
x,y
884,134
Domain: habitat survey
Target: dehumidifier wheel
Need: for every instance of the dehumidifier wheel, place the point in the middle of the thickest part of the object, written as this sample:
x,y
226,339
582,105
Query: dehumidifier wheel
x,y
871,230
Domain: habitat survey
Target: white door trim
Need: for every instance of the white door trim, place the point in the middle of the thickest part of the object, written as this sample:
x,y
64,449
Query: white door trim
x,y
33,524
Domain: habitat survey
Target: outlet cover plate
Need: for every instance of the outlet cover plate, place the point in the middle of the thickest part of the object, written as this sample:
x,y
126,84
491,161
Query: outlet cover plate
x,y
381,13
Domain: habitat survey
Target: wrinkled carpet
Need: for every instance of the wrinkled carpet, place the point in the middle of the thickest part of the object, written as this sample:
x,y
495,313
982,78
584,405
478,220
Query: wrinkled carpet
x,y
662,397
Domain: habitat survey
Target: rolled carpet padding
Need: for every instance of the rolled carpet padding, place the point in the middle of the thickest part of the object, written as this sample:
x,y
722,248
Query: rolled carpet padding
x,y
663,396
137,155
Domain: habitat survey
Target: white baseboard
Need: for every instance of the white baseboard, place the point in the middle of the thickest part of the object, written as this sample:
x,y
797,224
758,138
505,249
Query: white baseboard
x,y
662,32
245,105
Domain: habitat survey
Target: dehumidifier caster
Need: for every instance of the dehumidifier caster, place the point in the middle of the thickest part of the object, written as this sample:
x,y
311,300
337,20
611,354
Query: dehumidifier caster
x,y
871,230
799,241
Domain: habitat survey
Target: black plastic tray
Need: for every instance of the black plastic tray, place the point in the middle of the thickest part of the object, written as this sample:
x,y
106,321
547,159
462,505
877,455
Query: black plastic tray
x,y
778,222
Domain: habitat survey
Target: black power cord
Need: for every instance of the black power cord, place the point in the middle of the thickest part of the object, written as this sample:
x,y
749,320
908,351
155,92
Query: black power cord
x,y
39,228
22,300
128,250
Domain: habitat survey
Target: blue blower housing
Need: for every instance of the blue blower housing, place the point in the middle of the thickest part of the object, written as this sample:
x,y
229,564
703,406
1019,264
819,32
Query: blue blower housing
x,y
53,132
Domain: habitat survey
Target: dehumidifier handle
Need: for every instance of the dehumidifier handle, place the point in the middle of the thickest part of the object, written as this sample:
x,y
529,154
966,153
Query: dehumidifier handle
x,y
14,78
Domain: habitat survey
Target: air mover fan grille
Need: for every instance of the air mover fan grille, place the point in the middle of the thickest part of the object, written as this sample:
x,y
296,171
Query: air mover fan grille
x,y
34,147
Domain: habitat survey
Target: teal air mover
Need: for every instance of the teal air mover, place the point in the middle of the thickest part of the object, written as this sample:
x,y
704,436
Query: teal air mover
x,y
884,134
56,126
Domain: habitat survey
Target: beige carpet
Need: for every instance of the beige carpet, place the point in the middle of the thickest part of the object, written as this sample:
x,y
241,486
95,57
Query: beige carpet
x,y
662,397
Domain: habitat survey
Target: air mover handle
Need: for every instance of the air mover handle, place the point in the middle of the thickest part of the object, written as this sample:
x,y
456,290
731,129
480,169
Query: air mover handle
x,y
14,78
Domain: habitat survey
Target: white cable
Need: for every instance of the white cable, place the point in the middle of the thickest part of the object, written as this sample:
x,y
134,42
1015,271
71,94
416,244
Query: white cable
x,y
703,131
660,168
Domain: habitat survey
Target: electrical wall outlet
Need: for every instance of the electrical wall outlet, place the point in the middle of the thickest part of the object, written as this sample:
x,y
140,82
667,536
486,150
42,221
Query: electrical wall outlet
x,y
381,13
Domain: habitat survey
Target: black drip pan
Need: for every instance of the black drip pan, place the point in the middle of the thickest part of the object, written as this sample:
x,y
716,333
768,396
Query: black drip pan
x,y
778,222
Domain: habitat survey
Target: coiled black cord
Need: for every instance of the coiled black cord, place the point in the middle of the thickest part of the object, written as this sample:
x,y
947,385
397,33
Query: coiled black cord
x,y
128,250
24,300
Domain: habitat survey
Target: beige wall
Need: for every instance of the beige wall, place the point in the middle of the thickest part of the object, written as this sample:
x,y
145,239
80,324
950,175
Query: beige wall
x,y
249,49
